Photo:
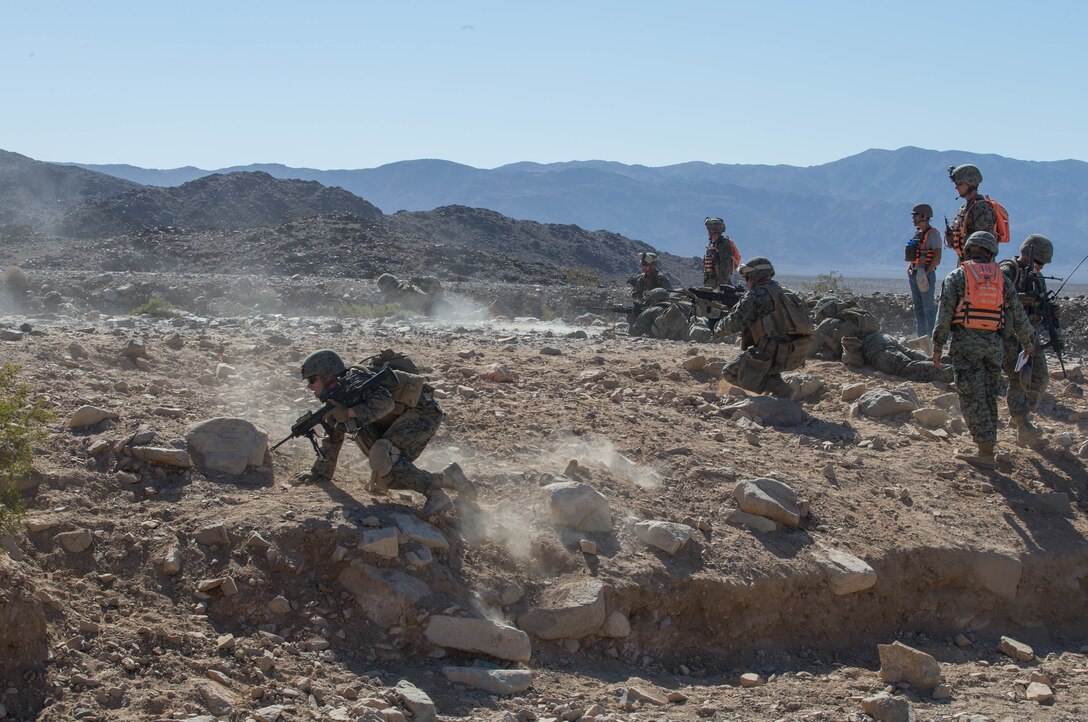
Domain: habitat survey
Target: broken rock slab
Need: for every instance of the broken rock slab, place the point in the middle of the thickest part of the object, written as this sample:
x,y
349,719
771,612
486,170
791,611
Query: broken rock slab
x,y
1017,650
846,574
578,506
495,681
227,444
769,498
417,701
572,609
479,635
752,521
667,536
162,456
420,531
900,663
384,595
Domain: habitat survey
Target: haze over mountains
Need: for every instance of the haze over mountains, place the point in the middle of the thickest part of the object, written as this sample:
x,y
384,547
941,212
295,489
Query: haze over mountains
x,y
851,215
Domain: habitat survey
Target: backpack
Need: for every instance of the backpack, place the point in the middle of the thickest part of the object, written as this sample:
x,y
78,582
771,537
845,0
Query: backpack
x,y
1001,221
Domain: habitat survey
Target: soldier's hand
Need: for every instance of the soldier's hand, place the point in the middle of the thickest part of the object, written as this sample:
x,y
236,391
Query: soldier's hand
x,y
339,413
1029,349
936,358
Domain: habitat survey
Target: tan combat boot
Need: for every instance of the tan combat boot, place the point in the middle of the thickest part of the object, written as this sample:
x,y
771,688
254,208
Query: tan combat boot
x,y
851,351
984,459
454,479
1027,433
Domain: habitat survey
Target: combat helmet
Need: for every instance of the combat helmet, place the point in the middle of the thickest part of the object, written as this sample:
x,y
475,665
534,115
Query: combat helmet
x,y
756,269
923,209
387,281
829,307
715,225
966,173
323,362
647,257
658,295
1038,247
982,239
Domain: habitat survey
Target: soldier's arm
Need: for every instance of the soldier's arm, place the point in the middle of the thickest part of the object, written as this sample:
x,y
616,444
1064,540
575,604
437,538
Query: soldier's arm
x,y
951,293
744,315
325,465
1015,314
379,403
982,217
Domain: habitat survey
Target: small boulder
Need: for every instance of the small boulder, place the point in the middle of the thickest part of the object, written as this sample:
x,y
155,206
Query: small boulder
x,y
89,416
1017,650
769,498
479,635
885,708
227,444
578,505
846,574
75,541
572,609
878,403
930,417
417,701
667,536
495,681
900,663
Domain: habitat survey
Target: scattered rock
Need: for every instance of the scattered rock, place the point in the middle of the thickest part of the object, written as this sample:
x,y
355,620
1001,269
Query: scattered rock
x,y
578,505
931,417
1039,692
752,521
227,444
751,679
617,626
215,534
165,457
420,531
665,535
900,663
417,702
499,374
771,410
89,416
495,681
846,574
384,595
881,402
479,635
769,498
1017,650
885,708
572,609
380,542
75,542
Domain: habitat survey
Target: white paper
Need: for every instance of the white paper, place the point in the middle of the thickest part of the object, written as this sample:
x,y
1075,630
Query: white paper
x,y
1021,361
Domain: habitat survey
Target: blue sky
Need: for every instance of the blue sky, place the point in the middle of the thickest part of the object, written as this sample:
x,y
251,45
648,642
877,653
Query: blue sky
x,y
360,84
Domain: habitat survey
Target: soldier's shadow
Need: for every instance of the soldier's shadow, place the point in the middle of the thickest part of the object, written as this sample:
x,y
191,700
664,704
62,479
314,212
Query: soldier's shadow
x,y
1041,520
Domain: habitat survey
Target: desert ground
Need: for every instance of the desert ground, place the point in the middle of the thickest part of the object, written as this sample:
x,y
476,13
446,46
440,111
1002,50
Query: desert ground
x,y
148,583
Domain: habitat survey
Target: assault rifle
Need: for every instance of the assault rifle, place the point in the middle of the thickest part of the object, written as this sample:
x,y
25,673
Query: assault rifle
x,y
349,390
727,296
1047,310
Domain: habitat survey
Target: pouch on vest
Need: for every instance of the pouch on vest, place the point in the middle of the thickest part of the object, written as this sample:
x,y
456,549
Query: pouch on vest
x,y
752,371
797,312
792,355
394,360
409,388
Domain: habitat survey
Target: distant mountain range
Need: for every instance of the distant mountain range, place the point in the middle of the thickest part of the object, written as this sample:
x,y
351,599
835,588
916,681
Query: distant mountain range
x,y
851,215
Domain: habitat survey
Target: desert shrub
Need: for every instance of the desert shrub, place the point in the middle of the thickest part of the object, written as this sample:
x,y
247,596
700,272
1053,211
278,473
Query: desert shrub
x,y
372,310
156,306
829,283
22,422
15,280
581,276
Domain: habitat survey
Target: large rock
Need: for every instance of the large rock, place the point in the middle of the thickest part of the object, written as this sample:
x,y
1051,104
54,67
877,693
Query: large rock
x,y
417,701
900,663
75,541
420,531
1017,650
89,416
846,574
998,572
571,609
578,505
385,595
495,681
769,410
162,456
479,635
769,498
878,403
667,536
227,444
930,417
885,708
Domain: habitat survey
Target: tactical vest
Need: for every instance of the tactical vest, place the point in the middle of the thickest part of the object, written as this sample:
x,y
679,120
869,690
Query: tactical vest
x,y
923,256
981,307
788,319
710,258
956,234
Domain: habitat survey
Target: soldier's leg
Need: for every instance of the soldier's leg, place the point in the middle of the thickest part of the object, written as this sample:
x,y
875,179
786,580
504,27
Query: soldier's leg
x,y
975,385
644,322
1040,379
748,371
409,435
1018,397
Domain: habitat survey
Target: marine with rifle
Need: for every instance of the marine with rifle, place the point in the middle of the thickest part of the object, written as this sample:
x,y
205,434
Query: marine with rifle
x,y
389,410
977,212
1028,382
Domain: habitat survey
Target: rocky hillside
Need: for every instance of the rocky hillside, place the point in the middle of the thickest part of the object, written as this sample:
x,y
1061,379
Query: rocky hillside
x,y
37,194
231,201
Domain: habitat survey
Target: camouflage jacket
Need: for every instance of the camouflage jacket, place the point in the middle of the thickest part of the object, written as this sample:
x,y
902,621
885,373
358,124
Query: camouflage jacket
x,y
954,289
975,215
643,284
1032,295
751,309
720,252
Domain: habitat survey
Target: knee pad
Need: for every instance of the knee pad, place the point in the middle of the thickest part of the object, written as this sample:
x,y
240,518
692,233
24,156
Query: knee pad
x,y
382,457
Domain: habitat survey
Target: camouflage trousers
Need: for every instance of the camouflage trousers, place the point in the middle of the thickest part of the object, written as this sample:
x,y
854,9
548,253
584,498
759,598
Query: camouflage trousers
x,y
976,358
754,370
887,356
1028,386
409,433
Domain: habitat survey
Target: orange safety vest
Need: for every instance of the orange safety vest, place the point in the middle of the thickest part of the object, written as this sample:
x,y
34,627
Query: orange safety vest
x,y
924,258
982,306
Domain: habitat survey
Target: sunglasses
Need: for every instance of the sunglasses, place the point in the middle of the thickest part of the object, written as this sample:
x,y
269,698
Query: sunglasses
x,y
310,380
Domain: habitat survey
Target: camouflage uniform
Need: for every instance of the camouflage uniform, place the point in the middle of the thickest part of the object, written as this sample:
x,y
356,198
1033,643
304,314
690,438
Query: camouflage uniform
x,y
976,355
887,355
719,253
1024,393
381,420
878,350
646,282
769,345
423,295
974,215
